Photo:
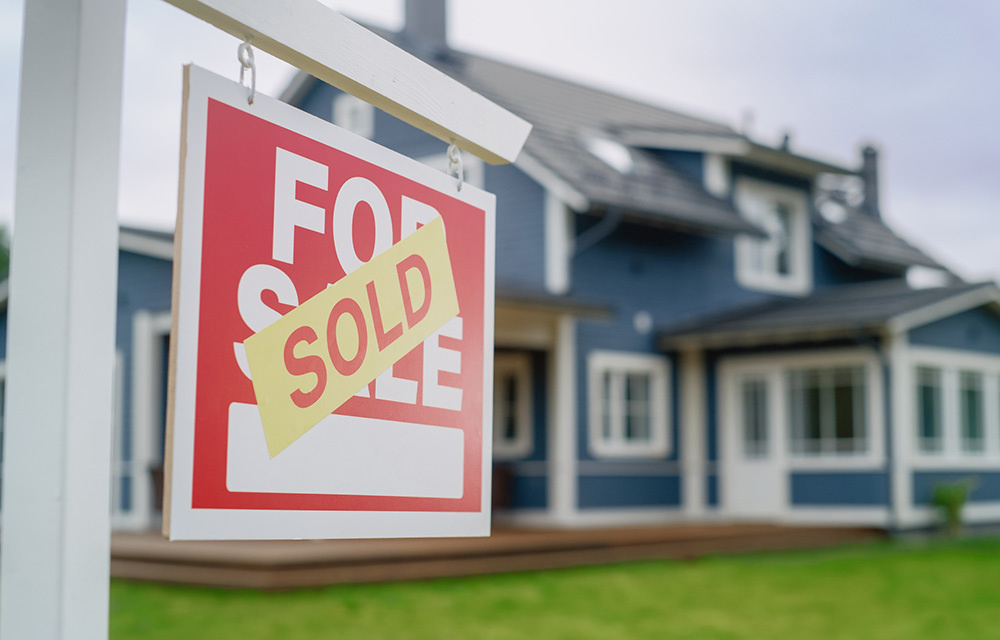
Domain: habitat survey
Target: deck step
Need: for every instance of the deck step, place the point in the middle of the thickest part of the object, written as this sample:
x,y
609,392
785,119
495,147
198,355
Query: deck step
x,y
313,563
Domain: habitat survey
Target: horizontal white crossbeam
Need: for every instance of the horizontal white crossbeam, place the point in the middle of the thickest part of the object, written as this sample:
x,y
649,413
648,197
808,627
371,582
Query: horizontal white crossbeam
x,y
321,42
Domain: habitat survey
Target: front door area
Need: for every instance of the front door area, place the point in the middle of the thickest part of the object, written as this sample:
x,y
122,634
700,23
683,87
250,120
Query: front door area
x,y
754,472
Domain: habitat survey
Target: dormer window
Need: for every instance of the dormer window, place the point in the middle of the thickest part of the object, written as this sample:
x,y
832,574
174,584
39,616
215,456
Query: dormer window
x,y
781,262
354,114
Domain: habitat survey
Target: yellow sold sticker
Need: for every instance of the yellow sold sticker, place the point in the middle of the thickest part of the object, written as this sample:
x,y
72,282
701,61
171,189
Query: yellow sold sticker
x,y
309,362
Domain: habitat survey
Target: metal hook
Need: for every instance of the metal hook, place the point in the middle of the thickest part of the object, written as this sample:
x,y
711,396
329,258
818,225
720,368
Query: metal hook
x,y
245,55
455,164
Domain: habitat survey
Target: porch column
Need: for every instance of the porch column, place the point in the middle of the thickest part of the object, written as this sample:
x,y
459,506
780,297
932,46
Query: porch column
x,y
900,444
562,429
693,429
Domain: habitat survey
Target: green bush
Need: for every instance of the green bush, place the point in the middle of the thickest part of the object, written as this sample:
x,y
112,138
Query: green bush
x,y
951,498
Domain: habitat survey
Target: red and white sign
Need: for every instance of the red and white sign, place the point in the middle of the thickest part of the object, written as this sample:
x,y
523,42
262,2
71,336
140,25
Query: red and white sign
x,y
278,207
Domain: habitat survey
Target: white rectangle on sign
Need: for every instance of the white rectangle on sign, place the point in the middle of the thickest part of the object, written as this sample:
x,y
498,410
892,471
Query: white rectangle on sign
x,y
346,455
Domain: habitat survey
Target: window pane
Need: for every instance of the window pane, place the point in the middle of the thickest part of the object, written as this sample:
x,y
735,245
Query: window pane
x,y
755,438
637,410
929,409
813,414
971,397
782,239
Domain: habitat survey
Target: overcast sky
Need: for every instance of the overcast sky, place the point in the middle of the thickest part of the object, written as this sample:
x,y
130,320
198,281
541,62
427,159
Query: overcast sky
x,y
917,78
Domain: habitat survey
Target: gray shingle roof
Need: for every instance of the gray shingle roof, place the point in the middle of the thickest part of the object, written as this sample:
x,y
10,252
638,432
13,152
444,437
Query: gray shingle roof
x,y
564,114
864,241
837,312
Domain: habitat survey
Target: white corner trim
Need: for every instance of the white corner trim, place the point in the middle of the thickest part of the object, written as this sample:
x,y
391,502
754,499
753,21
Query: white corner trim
x,y
552,183
559,231
962,302
144,245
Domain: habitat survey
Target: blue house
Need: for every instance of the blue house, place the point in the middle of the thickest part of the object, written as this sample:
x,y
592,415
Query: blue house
x,y
690,325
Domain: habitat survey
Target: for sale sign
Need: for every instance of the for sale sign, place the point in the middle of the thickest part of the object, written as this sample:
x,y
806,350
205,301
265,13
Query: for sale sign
x,y
333,332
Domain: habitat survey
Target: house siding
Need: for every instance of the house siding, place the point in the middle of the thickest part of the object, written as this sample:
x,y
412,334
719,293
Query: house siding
x,y
671,276
973,330
603,492
984,484
839,489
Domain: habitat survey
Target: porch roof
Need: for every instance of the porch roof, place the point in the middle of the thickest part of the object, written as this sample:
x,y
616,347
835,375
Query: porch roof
x,y
533,300
849,311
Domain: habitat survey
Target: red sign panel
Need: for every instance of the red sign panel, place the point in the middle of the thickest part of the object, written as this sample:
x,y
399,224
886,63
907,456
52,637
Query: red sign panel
x,y
278,207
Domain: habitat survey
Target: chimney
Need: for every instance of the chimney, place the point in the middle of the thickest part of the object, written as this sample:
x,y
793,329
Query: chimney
x,y
869,173
426,26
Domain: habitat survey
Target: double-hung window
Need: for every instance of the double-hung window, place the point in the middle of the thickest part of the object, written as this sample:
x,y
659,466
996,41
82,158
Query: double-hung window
x,y
513,432
827,411
930,423
781,261
970,389
628,404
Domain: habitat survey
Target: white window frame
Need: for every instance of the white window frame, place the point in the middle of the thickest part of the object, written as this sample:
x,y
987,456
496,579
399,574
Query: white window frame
x,y
353,114
619,364
754,198
517,365
735,369
952,363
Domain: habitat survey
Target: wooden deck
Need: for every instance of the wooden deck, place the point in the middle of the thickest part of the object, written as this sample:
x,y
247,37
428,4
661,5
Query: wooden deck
x,y
312,563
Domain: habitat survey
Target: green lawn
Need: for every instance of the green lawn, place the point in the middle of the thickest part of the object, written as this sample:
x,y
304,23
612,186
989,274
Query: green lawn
x,y
939,590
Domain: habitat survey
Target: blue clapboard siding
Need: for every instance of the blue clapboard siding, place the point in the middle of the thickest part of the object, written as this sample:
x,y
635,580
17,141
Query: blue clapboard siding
x,y
973,330
672,276
839,489
529,492
602,492
984,484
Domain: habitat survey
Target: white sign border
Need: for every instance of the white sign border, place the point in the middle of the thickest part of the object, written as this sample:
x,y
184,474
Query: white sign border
x,y
181,521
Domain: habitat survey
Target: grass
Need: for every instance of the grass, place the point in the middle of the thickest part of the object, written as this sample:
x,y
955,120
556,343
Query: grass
x,y
890,590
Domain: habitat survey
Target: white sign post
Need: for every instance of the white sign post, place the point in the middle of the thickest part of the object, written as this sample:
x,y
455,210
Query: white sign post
x,y
54,554
60,341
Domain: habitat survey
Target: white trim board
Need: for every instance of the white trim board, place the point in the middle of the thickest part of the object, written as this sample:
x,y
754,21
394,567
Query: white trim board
x,y
985,294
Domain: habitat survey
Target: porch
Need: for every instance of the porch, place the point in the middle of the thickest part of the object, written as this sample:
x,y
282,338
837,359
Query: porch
x,y
147,556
